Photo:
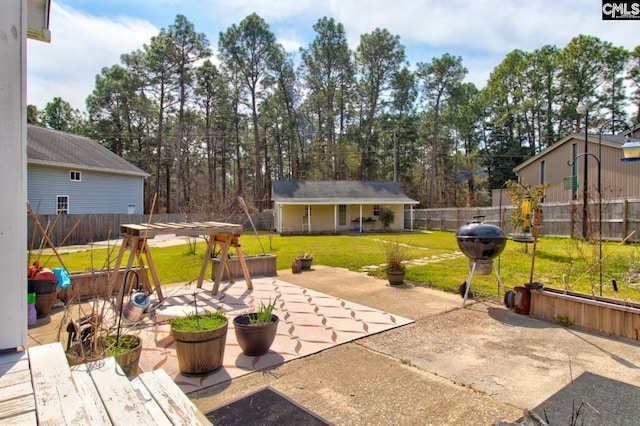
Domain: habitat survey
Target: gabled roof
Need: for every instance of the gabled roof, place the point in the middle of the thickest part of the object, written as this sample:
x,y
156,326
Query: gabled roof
x,y
338,192
59,149
615,141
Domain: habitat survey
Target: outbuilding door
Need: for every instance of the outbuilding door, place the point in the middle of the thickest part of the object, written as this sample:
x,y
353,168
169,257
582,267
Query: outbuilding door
x,y
342,216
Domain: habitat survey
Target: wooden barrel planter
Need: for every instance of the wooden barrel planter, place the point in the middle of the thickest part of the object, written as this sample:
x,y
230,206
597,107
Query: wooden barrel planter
x,y
127,360
200,352
602,314
396,277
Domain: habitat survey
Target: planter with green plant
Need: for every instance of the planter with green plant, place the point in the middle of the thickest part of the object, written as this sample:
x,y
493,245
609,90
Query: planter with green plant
x,y
395,255
256,331
200,340
89,340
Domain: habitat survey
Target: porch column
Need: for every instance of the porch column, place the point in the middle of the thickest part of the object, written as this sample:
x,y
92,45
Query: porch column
x,y
360,218
13,163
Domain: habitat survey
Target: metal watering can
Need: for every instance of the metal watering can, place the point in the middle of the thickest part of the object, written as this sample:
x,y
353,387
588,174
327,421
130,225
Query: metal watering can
x,y
139,301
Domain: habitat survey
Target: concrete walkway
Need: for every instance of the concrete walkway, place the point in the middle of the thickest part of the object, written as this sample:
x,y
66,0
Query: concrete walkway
x,y
475,365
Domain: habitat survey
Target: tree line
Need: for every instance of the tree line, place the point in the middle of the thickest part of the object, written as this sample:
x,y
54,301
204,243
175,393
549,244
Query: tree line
x,y
209,129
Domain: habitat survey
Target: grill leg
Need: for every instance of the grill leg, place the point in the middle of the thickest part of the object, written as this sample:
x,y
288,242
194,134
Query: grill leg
x,y
466,292
499,280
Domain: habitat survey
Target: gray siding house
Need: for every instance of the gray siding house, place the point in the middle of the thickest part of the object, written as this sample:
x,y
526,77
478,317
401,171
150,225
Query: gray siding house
x,y
73,174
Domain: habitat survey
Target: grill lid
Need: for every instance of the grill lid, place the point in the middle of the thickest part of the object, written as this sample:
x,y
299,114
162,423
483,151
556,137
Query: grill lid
x,y
479,240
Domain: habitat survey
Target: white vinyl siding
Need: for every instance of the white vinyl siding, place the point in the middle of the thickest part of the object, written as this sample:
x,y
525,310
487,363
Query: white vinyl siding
x,y
95,193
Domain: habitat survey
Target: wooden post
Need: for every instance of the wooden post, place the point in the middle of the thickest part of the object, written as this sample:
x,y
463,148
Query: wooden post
x,y
625,218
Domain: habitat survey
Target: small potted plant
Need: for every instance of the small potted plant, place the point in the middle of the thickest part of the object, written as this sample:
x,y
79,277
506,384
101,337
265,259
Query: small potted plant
x,y
305,260
89,340
396,255
200,339
256,331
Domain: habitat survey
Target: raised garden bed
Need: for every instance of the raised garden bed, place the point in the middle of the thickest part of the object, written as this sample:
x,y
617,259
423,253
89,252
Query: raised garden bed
x,y
258,266
90,284
610,316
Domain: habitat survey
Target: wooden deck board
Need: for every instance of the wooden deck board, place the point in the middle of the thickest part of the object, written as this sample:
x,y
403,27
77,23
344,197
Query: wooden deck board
x,y
90,397
21,420
117,394
149,402
22,376
57,398
17,407
37,386
175,404
17,404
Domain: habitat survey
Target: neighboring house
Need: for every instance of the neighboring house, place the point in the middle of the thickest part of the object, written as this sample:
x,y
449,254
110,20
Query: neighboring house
x,y
73,174
335,206
619,178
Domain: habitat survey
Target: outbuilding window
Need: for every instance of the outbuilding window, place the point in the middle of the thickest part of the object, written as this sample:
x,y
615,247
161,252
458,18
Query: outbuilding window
x,y
75,176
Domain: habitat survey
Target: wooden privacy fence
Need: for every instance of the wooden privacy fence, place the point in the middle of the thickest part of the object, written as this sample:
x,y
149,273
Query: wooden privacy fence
x,y
71,229
619,219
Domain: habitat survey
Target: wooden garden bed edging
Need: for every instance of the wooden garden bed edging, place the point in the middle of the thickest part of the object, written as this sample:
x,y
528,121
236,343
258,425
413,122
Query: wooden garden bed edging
x,y
264,266
610,316
90,284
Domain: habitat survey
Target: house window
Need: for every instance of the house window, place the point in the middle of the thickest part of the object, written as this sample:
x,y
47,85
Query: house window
x,y
75,176
376,209
62,202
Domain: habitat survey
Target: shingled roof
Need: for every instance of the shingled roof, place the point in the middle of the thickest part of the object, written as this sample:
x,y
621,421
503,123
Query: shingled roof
x,y
60,149
339,192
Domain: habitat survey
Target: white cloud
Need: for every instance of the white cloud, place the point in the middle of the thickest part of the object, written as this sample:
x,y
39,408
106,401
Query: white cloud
x,y
482,32
81,45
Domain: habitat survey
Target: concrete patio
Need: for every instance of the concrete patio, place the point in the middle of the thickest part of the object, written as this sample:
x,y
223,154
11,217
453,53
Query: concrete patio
x,y
474,365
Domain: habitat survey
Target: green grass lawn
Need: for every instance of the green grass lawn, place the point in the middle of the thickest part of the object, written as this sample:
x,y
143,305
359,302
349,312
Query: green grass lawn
x,y
559,263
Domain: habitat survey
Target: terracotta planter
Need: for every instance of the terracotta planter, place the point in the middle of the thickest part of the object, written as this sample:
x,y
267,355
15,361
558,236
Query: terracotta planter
x,y
200,352
395,277
255,340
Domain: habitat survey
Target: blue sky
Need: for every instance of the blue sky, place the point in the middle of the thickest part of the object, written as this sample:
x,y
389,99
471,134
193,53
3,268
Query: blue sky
x,y
88,35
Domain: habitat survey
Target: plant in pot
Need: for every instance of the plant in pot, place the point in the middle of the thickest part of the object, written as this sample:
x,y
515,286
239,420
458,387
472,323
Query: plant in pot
x,y
305,260
527,214
256,331
91,340
200,339
395,255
